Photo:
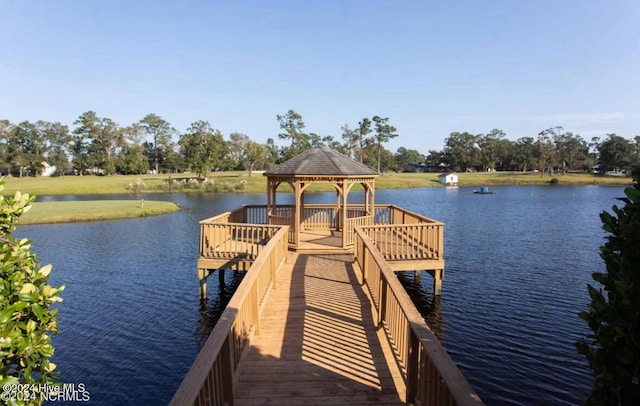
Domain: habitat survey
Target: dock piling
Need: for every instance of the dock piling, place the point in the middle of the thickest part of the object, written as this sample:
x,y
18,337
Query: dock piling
x,y
202,277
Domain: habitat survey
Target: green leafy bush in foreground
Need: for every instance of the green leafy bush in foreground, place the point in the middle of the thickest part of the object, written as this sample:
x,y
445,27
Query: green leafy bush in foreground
x,y
26,316
613,350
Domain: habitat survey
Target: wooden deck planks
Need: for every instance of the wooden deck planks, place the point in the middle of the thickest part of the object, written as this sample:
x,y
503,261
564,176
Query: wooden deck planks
x,y
320,240
317,343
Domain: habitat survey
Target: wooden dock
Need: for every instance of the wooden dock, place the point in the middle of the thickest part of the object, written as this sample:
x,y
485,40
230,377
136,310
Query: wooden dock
x,y
320,318
317,336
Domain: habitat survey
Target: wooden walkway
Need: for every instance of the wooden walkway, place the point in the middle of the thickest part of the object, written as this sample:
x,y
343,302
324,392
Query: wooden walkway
x,y
317,343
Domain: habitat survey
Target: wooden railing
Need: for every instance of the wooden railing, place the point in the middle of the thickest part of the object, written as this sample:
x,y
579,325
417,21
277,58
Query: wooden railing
x,y
423,241
355,222
283,216
220,218
256,214
408,242
398,215
319,217
233,240
212,377
430,376
384,214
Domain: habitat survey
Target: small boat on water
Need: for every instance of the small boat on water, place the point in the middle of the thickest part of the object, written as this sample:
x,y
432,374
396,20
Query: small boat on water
x,y
484,190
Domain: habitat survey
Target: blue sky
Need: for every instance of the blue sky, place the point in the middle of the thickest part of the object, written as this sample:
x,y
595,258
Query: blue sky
x,y
431,67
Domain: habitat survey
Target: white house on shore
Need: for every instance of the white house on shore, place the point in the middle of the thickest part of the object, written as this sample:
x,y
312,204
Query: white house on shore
x,y
448,179
48,170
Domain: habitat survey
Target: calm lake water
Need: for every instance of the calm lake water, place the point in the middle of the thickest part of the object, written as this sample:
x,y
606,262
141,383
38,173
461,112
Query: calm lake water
x,y
517,266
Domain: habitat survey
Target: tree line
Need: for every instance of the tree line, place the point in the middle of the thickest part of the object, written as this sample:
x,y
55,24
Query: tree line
x,y
553,149
99,145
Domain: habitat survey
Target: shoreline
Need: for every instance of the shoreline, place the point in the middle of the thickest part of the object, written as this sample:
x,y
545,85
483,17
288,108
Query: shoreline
x,y
241,182
94,210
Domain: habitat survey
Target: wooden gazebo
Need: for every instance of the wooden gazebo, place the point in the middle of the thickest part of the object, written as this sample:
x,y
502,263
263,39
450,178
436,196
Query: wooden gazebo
x,y
321,165
340,276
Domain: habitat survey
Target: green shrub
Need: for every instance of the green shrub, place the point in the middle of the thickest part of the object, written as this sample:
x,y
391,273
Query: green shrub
x,y
554,181
613,349
137,187
26,316
240,186
227,187
211,187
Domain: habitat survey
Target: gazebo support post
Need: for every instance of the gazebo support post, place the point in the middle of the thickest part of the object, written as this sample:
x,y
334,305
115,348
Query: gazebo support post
x,y
296,216
371,204
337,209
345,210
269,202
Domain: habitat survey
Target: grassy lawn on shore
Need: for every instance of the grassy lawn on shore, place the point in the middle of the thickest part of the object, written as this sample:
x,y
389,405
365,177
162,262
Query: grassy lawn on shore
x,y
74,211
531,178
241,182
221,182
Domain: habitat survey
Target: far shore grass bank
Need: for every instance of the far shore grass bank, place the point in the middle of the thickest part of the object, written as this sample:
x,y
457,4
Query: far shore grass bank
x,y
76,211
239,182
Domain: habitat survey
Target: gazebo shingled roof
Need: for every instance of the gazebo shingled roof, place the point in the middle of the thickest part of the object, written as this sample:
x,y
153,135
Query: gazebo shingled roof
x,y
321,164
321,161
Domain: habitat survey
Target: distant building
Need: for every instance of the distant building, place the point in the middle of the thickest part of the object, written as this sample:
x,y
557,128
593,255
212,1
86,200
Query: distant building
x,y
48,170
448,179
